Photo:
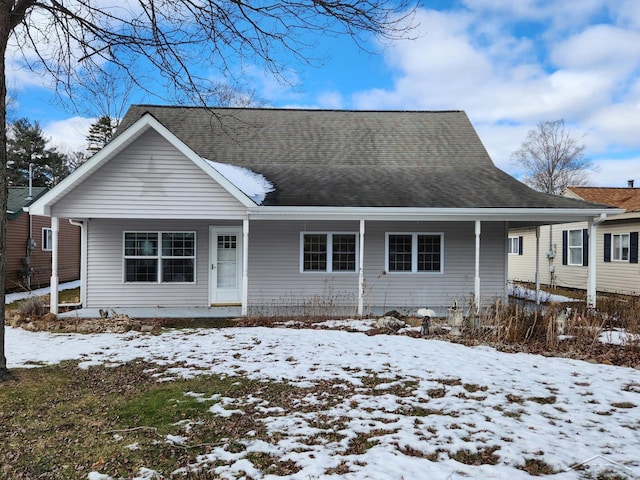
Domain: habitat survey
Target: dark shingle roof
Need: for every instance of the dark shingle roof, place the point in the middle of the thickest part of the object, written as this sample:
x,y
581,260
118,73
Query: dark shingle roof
x,y
354,158
19,197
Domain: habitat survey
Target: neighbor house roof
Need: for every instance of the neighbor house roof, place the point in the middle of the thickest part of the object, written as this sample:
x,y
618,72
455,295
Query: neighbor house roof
x,y
626,198
334,158
18,197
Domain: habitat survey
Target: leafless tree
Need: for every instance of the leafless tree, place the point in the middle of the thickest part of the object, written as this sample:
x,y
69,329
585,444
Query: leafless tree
x,y
173,45
553,158
224,94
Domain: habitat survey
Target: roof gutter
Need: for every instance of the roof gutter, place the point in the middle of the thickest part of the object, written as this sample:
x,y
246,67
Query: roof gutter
x,y
429,214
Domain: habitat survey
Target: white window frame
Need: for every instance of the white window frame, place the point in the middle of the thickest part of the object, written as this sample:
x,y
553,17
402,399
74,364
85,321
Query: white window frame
x,y
571,248
618,251
159,257
47,239
514,245
329,267
414,253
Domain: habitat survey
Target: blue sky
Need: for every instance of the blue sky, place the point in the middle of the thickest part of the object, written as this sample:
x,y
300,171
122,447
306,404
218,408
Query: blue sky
x,y
508,64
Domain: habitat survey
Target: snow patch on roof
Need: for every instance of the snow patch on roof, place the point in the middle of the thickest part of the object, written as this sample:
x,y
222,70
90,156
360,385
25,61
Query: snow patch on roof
x,y
252,184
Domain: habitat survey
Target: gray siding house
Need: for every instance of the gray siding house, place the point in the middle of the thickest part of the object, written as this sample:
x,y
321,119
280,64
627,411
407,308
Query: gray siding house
x,y
275,210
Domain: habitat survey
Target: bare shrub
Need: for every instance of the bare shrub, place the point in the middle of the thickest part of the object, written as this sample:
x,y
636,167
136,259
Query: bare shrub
x,y
34,307
511,323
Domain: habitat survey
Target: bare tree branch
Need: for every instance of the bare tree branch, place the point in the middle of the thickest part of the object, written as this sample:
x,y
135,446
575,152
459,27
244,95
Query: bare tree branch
x,y
553,158
173,44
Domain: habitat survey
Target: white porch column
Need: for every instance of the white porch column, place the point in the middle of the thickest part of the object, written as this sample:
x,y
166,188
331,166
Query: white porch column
x,y
361,271
537,278
245,266
55,230
476,283
591,269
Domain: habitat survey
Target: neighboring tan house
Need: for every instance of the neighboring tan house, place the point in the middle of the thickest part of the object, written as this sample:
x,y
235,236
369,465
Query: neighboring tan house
x,y
29,244
566,246
276,210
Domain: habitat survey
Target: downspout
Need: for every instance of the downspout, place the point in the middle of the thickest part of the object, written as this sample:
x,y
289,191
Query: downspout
x,y
593,258
83,263
30,238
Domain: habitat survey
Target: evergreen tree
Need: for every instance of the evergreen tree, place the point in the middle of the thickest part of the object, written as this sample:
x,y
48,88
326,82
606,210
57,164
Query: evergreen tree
x,y
26,145
99,134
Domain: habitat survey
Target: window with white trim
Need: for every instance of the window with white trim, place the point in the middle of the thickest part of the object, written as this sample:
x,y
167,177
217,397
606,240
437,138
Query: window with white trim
x,y
328,252
47,239
159,257
414,252
620,247
514,245
575,247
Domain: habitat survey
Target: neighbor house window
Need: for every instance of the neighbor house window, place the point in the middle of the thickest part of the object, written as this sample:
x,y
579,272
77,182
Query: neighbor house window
x,y
515,244
620,247
47,239
329,252
575,246
165,257
414,252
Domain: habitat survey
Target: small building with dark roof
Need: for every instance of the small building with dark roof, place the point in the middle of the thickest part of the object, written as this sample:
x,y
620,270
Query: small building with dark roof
x,y
29,248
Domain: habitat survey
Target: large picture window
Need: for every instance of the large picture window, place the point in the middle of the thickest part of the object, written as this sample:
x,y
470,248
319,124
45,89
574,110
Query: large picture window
x,y
160,257
414,252
329,252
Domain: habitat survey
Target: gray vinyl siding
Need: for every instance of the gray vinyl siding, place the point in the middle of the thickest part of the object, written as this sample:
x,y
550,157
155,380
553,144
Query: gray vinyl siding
x,y
106,287
276,284
149,179
275,277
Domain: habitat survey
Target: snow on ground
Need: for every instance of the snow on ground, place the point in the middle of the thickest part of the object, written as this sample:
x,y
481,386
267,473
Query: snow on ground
x,y
562,412
14,297
518,291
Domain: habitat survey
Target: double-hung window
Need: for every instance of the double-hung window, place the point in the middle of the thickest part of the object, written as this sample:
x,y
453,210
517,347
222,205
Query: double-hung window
x,y
47,239
514,245
575,238
160,257
620,247
414,252
328,252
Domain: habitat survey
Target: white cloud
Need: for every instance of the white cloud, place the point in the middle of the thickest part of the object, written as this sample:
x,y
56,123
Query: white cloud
x,y
476,60
616,172
607,47
68,135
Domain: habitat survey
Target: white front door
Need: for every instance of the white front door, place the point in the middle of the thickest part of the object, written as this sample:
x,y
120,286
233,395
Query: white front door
x,y
225,274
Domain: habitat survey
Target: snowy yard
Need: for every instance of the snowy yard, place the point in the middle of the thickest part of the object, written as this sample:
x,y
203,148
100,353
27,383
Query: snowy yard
x,y
439,410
